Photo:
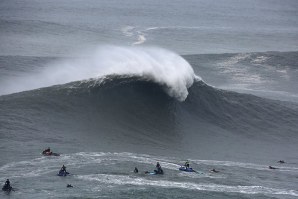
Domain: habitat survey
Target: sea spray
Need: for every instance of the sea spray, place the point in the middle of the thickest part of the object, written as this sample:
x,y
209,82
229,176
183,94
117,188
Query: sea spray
x,y
156,64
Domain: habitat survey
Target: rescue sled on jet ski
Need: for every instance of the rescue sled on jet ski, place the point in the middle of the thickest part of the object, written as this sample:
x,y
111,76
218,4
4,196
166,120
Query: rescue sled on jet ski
x,y
155,172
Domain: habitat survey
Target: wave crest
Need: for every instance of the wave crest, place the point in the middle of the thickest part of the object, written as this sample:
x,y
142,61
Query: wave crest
x,y
156,64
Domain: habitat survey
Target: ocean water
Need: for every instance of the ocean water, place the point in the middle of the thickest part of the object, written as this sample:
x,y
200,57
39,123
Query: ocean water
x,y
114,85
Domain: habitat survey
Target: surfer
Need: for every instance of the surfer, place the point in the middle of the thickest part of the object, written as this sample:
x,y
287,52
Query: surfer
x,y
281,162
69,186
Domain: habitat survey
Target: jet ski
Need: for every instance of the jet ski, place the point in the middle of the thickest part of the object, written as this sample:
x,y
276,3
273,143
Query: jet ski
x,y
50,154
63,173
7,188
186,169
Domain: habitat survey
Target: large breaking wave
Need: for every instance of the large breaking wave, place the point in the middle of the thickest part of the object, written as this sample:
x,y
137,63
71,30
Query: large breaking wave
x,y
159,65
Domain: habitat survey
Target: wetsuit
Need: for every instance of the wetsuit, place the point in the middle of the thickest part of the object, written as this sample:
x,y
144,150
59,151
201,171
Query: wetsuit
x,y
136,170
186,164
7,183
63,168
158,168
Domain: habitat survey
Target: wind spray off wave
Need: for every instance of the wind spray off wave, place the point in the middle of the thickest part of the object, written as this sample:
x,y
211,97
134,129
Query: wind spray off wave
x,y
158,65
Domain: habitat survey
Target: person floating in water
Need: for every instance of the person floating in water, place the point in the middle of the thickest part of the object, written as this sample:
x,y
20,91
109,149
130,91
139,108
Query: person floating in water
x,y
281,161
136,170
186,164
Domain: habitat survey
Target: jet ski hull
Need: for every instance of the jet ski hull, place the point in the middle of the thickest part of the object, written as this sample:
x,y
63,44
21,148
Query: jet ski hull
x,y
63,174
186,169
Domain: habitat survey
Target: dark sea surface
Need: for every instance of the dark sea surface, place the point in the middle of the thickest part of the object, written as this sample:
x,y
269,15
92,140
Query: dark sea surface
x,y
114,85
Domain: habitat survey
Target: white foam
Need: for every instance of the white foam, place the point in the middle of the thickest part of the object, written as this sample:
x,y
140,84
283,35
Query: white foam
x,y
140,33
141,39
128,31
185,27
260,60
242,165
43,165
137,181
160,65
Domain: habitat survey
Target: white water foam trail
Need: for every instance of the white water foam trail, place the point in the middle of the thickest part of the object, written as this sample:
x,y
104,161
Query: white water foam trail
x,y
243,165
128,180
42,165
130,31
141,38
156,64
